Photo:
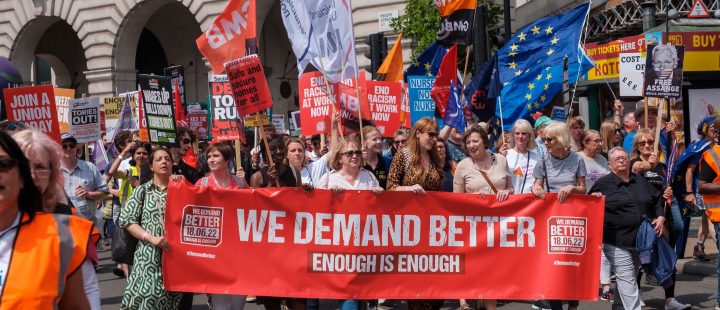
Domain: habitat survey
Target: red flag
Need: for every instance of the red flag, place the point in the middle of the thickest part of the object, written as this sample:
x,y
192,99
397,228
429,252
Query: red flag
x,y
441,88
179,109
190,158
229,34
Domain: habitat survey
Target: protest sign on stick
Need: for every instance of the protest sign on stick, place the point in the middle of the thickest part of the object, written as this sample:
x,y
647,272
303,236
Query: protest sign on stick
x,y
384,99
34,106
157,102
62,98
379,241
226,125
85,119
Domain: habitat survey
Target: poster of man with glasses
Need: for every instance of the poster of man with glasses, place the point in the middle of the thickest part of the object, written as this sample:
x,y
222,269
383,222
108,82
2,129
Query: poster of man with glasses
x,y
663,71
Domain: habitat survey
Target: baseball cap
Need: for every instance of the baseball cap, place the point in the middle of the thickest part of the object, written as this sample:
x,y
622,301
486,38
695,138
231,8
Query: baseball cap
x,y
542,121
66,136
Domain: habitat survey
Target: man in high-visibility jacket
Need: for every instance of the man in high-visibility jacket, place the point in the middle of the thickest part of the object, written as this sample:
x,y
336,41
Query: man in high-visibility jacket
x,y
43,271
709,188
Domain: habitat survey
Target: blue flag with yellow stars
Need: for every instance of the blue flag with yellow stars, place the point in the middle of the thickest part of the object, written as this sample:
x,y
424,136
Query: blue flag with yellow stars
x,y
545,42
428,62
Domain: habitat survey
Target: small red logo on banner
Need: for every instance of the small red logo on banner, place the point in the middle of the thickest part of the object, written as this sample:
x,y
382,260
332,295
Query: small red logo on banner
x,y
202,225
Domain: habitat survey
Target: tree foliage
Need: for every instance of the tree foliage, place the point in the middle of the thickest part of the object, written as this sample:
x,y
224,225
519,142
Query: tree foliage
x,y
420,21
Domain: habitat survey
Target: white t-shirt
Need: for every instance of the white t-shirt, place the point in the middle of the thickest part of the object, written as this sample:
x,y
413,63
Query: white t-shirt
x,y
312,156
7,240
365,181
521,169
313,172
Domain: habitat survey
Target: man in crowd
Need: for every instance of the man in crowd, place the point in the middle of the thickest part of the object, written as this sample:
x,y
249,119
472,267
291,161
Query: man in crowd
x,y
540,124
709,187
399,138
454,143
83,183
315,152
180,167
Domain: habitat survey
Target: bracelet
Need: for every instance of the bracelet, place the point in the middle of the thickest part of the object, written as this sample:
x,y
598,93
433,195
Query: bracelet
x,y
144,236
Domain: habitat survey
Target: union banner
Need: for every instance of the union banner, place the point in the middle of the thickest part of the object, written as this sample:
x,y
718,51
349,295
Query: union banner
x,y
398,245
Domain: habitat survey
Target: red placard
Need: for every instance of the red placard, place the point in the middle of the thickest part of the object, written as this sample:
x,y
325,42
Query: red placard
x,y
385,102
34,106
316,100
249,87
226,125
360,245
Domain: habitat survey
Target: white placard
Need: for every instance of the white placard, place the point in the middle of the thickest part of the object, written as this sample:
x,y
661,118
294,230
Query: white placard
x,y
84,119
384,19
632,70
278,121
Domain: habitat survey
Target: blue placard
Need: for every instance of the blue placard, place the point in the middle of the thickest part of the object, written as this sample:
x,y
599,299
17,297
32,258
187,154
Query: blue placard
x,y
558,114
421,104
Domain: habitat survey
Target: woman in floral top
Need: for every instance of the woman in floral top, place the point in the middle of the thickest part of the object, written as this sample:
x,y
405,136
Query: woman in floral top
x,y
143,217
417,167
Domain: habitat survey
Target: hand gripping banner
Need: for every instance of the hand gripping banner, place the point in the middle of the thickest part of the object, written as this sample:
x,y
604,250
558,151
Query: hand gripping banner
x,y
398,245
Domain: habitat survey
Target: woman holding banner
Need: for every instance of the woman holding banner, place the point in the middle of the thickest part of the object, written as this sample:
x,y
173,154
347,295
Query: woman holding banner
x,y
143,217
482,173
562,172
219,156
417,168
521,157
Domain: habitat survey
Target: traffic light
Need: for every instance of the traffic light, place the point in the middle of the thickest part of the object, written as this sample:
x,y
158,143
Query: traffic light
x,y
377,51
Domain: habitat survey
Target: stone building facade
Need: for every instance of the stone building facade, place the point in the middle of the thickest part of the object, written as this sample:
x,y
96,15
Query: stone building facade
x,y
98,46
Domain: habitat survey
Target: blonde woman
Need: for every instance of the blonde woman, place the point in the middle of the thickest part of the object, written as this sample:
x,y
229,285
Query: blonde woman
x,y
576,125
610,136
296,156
521,157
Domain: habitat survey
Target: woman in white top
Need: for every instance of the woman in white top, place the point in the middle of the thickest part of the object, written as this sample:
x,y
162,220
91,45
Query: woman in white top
x,y
347,173
521,157
596,164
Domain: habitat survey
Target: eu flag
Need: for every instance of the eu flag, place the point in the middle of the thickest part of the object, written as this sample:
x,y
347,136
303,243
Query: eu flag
x,y
428,62
545,42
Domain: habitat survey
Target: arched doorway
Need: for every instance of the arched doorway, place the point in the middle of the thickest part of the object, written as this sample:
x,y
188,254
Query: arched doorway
x,y
48,51
156,34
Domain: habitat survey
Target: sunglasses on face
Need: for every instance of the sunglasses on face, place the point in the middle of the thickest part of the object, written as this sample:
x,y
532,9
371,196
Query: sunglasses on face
x,y
646,142
432,134
69,146
399,141
7,164
548,139
357,153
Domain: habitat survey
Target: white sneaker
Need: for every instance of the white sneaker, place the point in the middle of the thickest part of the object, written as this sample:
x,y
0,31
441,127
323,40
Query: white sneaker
x,y
642,302
676,305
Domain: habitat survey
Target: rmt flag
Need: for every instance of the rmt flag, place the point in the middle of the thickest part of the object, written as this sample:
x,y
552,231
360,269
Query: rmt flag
x,y
456,21
230,36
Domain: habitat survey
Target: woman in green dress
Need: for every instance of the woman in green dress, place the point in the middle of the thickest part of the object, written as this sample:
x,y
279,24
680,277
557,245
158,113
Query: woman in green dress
x,y
143,217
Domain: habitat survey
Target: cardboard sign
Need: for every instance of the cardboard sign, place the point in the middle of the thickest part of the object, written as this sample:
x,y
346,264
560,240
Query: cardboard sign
x,y
385,99
421,104
34,106
664,71
316,100
62,98
632,69
159,109
85,119
225,123
177,75
197,120
257,120
249,87
359,245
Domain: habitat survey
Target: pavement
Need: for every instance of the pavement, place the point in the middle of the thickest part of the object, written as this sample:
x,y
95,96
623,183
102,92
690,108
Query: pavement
x,y
697,285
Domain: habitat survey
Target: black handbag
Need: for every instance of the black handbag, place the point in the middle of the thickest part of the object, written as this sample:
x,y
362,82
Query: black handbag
x,y
124,244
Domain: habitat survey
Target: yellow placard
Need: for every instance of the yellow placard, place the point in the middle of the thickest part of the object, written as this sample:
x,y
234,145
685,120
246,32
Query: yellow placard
x,y
257,120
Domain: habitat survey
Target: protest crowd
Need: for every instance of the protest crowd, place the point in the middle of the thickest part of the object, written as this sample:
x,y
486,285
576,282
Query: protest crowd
x,y
66,195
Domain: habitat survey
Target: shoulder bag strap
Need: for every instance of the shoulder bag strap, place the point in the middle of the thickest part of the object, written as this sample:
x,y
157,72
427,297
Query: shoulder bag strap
x,y
487,179
547,179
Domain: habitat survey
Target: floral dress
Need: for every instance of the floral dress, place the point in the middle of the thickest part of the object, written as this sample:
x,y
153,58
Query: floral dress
x,y
145,290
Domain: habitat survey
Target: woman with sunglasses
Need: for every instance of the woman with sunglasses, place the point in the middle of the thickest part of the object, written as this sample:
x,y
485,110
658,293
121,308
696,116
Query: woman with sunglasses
x,y
186,138
35,240
482,172
143,217
610,136
279,173
562,172
644,162
417,168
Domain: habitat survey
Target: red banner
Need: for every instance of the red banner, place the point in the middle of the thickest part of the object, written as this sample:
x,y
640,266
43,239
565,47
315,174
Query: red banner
x,y
249,87
226,125
385,99
398,245
230,35
34,106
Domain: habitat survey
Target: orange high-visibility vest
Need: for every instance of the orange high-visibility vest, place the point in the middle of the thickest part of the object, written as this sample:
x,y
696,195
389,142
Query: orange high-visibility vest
x,y
45,253
712,201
